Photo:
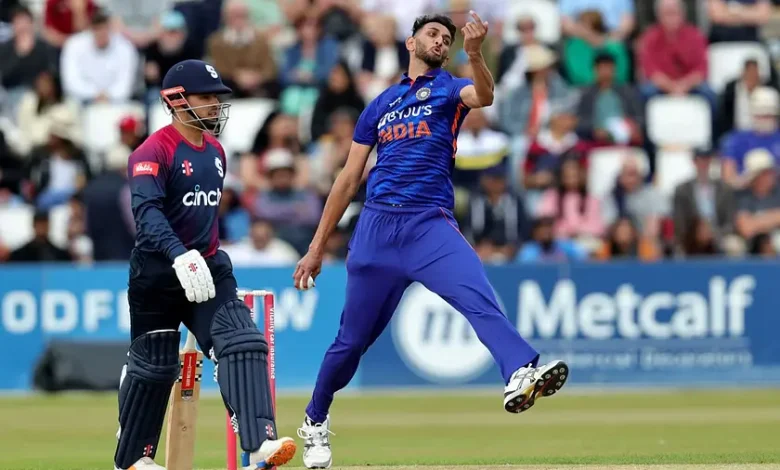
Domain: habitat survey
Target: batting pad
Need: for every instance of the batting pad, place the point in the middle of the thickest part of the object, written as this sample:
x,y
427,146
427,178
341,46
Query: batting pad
x,y
152,369
241,352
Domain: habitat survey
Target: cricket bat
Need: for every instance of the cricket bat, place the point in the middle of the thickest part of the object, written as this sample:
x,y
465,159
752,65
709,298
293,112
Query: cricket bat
x,y
183,409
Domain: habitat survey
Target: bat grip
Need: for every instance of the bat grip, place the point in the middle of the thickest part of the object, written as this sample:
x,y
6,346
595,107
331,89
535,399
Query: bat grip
x,y
190,343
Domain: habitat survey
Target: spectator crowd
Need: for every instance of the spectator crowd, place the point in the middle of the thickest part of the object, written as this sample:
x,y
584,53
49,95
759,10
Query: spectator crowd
x,y
529,172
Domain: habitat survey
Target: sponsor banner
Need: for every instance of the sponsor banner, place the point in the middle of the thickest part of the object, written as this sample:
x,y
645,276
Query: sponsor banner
x,y
681,324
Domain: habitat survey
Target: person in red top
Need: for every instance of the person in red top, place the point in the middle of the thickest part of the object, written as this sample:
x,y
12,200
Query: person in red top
x,y
673,55
62,18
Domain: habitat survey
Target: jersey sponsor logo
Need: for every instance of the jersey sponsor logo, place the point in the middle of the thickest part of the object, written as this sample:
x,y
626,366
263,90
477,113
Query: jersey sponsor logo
x,y
412,111
199,198
404,130
146,168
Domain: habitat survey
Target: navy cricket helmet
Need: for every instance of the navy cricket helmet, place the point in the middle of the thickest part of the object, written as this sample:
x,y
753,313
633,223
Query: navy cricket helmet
x,y
196,77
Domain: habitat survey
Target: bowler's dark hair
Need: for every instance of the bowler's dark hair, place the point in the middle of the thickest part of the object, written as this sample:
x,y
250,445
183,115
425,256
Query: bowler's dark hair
x,y
441,19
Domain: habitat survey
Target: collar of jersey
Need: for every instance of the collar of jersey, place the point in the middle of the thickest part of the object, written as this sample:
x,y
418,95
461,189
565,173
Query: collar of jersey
x,y
430,75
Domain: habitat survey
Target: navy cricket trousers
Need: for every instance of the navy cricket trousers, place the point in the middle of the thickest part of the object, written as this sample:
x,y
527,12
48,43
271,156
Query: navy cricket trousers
x,y
391,248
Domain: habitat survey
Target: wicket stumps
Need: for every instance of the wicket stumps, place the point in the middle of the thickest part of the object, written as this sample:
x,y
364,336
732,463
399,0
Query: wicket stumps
x,y
250,297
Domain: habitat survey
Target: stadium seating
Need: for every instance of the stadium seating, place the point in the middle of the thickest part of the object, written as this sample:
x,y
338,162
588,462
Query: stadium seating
x,y
727,59
682,121
673,167
604,166
101,126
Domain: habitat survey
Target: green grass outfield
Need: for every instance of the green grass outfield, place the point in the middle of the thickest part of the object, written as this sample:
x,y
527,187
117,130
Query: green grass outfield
x,y
716,429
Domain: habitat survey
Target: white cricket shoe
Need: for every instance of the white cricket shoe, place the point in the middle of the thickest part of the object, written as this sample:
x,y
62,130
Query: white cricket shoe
x,y
316,451
144,463
272,453
528,384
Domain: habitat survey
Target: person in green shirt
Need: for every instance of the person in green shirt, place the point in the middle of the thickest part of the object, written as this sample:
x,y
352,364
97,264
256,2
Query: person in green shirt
x,y
579,53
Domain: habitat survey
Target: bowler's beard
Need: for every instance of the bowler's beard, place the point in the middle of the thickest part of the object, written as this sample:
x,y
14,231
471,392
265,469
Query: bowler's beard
x,y
430,59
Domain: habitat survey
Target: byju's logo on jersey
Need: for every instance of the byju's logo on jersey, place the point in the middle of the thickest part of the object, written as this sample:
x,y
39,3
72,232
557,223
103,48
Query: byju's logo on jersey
x,y
199,198
218,164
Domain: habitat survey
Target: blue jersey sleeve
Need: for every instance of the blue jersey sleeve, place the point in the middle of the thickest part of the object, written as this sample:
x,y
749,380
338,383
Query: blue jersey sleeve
x,y
458,84
366,127
147,172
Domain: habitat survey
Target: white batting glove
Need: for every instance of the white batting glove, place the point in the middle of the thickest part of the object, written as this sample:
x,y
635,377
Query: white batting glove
x,y
194,276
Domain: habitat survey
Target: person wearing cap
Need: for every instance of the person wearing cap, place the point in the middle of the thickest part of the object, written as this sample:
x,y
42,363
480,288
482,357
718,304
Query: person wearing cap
x,y
98,64
167,50
179,275
758,208
764,133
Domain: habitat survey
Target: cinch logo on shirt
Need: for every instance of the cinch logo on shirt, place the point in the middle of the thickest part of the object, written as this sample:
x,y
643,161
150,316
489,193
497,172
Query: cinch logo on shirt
x,y
202,198
404,130
146,168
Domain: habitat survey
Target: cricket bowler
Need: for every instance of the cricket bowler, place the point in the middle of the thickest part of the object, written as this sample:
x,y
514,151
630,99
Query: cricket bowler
x,y
406,231
178,275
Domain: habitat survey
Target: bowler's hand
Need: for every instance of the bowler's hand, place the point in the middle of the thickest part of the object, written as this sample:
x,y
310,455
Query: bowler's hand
x,y
194,276
474,34
307,269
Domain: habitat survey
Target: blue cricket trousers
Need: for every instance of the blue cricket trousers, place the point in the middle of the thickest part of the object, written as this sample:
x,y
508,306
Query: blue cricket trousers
x,y
391,248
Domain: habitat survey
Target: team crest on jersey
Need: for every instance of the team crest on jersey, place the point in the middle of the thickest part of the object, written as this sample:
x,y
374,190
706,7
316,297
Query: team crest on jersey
x,y
423,94
218,164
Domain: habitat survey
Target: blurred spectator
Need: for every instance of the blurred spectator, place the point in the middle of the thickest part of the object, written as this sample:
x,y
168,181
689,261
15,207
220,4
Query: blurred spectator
x,y
633,197
40,248
12,170
108,217
79,245
512,64
525,110
673,55
267,16
307,65
610,113
579,52
551,146
737,20
404,12
131,132
623,242
479,148
166,50
24,57
384,56
763,247
758,208
703,197
138,20
699,239
734,109
340,19
262,248
763,133
618,18
37,110
279,131
242,55
99,65
331,151
577,214
544,247
295,213
63,18
459,13
340,93
59,169
497,223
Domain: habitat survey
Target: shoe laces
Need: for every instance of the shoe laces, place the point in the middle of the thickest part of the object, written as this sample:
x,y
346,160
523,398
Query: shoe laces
x,y
528,373
315,434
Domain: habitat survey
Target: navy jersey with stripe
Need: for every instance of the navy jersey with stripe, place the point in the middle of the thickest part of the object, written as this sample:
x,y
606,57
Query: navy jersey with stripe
x,y
176,189
415,126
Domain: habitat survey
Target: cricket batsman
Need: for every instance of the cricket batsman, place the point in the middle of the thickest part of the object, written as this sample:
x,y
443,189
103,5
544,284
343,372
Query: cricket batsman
x,y
407,232
178,275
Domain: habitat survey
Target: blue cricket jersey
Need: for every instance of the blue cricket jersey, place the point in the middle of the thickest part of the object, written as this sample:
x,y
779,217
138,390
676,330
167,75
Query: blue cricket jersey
x,y
735,145
415,126
176,189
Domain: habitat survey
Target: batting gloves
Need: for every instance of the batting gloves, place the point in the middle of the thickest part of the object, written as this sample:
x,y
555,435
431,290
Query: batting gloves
x,y
194,276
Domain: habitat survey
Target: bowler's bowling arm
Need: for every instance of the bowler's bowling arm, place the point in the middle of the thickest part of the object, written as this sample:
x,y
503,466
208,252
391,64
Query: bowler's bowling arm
x,y
344,188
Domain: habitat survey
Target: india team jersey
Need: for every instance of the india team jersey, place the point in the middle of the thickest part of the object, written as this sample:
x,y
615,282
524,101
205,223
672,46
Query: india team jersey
x,y
415,126
176,189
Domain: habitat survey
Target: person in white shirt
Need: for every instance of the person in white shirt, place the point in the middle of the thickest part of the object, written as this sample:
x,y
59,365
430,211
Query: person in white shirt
x,y
262,248
98,65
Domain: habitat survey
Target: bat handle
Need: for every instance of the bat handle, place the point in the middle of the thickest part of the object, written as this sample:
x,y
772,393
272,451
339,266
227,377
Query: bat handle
x,y
190,343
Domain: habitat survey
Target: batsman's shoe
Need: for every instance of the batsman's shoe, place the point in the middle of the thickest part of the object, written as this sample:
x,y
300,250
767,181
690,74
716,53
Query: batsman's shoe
x,y
531,383
272,453
144,463
316,450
